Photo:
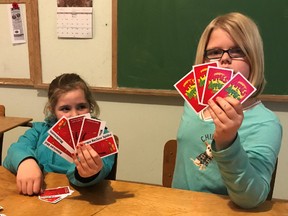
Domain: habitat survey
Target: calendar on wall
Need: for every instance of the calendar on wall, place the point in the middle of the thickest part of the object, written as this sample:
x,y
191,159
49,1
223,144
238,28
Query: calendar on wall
x,y
74,22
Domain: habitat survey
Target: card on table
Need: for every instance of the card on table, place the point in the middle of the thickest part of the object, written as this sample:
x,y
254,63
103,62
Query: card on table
x,y
54,195
215,80
61,132
52,199
200,72
238,87
55,191
186,86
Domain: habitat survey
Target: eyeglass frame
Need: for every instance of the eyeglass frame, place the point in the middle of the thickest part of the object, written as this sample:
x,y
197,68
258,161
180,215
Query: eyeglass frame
x,y
225,51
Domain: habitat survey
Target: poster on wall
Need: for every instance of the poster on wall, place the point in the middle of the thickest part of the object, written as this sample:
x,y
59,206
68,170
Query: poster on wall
x,y
74,18
16,23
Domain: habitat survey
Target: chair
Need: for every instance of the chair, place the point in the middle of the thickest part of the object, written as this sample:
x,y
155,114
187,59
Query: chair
x,y
112,174
2,113
272,182
169,158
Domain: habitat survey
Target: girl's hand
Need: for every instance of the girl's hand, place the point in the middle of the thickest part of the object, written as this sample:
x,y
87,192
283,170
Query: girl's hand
x,y
87,161
29,177
227,115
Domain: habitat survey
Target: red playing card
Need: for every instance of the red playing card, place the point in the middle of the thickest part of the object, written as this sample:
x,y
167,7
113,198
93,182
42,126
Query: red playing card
x,y
91,128
75,124
52,200
55,192
104,145
187,89
54,195
238,87
216,78
200,72
61,132
55,146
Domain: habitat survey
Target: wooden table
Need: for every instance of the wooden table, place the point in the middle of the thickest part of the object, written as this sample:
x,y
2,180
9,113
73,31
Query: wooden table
x,y
8,123
124,198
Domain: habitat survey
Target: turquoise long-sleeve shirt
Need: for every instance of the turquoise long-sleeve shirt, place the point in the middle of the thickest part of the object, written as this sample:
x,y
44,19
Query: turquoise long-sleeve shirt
x,y
243,170
31,145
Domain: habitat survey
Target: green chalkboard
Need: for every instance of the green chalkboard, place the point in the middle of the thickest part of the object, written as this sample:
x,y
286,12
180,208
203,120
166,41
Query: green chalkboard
x,y
157,39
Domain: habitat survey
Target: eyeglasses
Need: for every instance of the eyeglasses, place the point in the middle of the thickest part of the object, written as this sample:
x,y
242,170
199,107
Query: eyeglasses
x,y
216,54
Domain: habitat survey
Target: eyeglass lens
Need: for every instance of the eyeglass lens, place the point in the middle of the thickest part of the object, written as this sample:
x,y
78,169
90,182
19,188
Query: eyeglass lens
x,y
218,53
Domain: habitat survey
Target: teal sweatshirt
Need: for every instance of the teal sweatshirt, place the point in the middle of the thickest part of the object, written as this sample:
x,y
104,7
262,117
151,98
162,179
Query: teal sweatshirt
x,y
31,145
243,170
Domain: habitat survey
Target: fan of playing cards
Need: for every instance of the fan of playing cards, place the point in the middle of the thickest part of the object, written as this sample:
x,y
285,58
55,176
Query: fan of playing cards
x,y
65,135
208,81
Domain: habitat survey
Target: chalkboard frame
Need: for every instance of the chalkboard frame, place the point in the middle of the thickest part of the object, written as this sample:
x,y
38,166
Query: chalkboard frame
x,y
33,40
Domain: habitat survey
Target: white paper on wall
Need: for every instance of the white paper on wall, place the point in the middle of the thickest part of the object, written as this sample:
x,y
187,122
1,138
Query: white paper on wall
x,y
16,23
74,22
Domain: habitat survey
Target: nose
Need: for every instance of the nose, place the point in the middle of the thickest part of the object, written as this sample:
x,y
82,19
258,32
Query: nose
x,y
73,113
225,59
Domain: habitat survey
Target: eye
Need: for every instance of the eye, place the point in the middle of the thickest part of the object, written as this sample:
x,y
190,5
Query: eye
x,y
64,109
82,106
214,53
237,52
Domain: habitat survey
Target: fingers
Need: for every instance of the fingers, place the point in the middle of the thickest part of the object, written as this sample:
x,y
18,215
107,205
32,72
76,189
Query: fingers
x,y
225,108
20,188
37,186
235,104
29,177
30,187
87,161
227,114
86,155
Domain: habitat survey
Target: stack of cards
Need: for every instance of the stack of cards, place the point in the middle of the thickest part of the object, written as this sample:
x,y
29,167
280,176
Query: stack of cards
x,y
54,195
67,133
208,81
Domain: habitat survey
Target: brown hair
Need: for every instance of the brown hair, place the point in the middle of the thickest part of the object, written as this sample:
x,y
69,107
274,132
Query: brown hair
x,y
65,83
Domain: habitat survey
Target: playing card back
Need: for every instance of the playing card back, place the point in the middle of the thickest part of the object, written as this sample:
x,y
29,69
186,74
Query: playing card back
x,y
55,146
104,145
55,192
91,128
216,78
188,90
238,87
200,72
61,132
75,124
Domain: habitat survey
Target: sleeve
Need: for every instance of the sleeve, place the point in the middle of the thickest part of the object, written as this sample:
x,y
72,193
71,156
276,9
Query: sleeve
x,y
107,166
248,164
25,147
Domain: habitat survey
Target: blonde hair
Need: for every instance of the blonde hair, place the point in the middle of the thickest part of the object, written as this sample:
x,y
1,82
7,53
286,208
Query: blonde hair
x,y
65,83
245,33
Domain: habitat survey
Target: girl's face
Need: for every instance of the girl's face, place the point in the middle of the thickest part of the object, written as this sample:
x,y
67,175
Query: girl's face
x,y
71,104
220,39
